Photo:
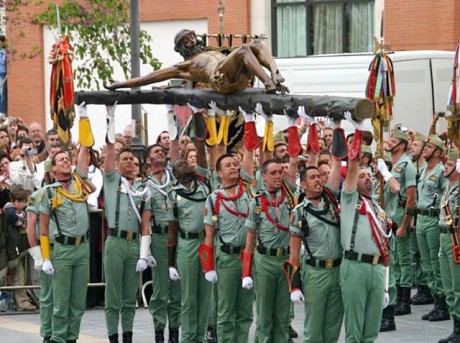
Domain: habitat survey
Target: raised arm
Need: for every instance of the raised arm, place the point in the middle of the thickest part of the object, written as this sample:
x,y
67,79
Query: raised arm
x,y
110,154
354,154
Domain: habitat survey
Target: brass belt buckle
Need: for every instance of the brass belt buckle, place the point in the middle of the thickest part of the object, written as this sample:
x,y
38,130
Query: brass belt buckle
x,y
214,218
279,252
375,260
329,264
129,235
78,240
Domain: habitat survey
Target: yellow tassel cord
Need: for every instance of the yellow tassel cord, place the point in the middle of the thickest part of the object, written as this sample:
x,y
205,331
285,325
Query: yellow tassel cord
x,y
81,193
268,142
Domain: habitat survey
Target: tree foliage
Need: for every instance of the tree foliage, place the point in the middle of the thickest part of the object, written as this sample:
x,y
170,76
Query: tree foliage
x,y
100,35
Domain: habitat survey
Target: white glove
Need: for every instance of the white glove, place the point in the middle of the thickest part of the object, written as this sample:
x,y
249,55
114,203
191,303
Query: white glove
x,y
213,106
383,169
260,110
211,276
141,265
386,299
47,267
151,262
291,121
171,117
336,123
36,254
305,117
297,296
110,116
457,167
194,109
82,110
359,125
247,116
247,282
173,274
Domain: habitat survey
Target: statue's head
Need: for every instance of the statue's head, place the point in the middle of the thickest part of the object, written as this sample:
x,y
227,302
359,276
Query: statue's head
x,y
187,50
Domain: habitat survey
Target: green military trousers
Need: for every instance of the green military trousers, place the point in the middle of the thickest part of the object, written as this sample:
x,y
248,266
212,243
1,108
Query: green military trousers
x,y
428,243
323,304
392,290
234,303
418,276
273,302
450,273
122,283
46,305
362,295
165,303
196,292
70,282
403,249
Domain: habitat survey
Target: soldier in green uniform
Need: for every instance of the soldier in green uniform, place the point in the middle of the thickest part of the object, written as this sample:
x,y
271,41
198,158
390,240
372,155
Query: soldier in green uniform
x,y
315,222
364,239
431,186
390,191
64,203
46,289
187,233
123,259
448,223
165,303
225,213
404,172
268,226
423,295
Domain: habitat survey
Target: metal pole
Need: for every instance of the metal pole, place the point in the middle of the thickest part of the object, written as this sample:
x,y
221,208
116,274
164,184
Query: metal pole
x,y
136,115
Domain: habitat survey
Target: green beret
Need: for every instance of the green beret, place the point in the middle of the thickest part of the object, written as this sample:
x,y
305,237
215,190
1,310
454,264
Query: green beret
x,y
398,134
420,137
48,166
386,156
452,154
366,149
436,141
279,136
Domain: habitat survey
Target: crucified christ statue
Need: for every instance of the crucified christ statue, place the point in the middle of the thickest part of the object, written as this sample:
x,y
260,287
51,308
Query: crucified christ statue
x,y
227,74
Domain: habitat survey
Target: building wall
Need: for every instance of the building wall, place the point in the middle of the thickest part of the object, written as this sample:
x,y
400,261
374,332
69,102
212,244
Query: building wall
x,y
422,24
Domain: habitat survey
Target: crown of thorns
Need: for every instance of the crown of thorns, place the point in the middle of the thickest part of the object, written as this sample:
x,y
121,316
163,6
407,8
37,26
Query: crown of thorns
x,y
181,35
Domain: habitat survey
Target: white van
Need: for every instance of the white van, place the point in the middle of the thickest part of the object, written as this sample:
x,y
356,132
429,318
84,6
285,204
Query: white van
x,y
422,81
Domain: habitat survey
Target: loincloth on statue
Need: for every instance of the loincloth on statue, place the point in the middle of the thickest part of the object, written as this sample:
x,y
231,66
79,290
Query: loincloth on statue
x,y
220,83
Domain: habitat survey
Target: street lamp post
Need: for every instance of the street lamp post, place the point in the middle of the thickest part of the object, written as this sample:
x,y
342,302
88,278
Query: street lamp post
x,y
136,113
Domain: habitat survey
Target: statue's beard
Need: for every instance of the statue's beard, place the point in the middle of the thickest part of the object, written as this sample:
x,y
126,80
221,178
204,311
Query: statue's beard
x,y
187,53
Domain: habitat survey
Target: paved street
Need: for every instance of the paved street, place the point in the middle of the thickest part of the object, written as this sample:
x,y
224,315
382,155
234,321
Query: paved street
x,y
21,328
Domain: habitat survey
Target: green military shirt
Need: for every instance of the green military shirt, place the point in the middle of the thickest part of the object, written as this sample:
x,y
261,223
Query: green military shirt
x,y
114,191
431,186
229,227
364,240
72,216
269,235
33,205
450,197
405,173
188,212
323,238
389,200
160,200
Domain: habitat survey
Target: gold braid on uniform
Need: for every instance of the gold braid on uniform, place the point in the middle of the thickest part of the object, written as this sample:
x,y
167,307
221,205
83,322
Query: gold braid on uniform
x,y
292,201
81,193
